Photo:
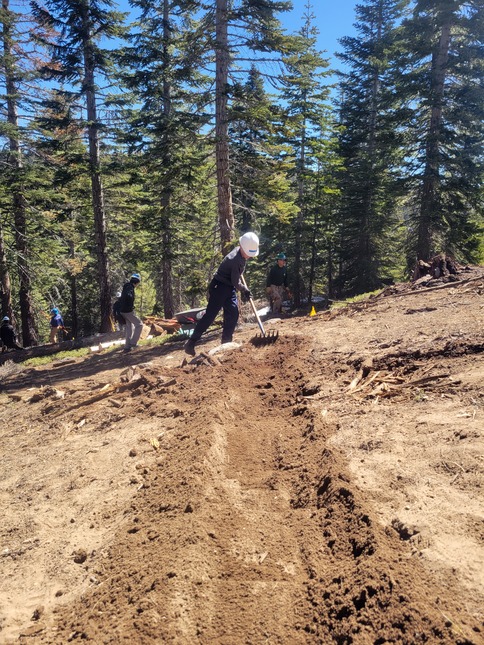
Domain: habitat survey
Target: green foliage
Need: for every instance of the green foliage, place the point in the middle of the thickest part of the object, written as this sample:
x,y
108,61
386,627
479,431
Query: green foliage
x,y
350,203
309,133
443,120
368,213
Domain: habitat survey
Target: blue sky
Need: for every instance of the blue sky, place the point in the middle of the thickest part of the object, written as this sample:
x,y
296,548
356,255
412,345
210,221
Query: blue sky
x,y
333,18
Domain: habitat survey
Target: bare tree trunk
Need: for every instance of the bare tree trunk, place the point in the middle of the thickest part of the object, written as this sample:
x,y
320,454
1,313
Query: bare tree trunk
x,y
166,235
222,59
299,224
431,180
29,332
166,257
314,251
330,269
5,286
95,171
74,305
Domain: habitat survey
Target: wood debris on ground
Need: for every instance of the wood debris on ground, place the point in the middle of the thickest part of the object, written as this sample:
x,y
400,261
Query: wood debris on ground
x,y
131,379
385,383
161,326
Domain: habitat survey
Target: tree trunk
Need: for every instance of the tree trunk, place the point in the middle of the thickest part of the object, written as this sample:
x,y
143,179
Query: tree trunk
x,y
95,171
224,193
74,306
5,286
299,224
29,332
429,203
367,276
166,235
314,250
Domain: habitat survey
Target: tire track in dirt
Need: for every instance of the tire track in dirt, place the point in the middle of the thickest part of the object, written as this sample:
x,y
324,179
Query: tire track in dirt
x,y
248,530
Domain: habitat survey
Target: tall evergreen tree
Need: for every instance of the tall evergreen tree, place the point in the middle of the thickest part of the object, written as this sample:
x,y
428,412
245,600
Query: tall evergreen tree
x,y
61,147
443,68
5,283
259,172
308,114
370,147
263,197
245,26
161,70
77,58
15,67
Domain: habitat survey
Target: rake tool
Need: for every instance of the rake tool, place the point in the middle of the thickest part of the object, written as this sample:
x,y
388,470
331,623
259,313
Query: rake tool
x,y
264,338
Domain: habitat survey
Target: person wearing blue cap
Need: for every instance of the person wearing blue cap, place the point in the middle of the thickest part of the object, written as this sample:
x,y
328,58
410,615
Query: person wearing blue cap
x,y
134,326
276,284
7,334
56,325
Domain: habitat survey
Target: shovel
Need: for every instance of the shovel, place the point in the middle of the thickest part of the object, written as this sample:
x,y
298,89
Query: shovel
x,y
264,338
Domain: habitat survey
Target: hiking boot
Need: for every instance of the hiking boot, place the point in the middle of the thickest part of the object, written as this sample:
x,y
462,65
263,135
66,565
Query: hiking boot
x,y
189,347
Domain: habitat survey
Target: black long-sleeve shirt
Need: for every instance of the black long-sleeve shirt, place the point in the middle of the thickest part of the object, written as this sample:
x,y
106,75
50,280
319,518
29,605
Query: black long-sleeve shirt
x,y
277,276
127,298
231,268
7,335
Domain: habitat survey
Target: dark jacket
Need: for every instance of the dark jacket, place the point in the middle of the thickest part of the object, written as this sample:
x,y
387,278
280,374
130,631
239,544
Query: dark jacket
x,y
127,298
57,321
277,276
7,334
231,268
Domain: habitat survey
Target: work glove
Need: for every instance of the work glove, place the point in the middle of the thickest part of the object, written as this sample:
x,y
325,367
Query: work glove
x,y
246,296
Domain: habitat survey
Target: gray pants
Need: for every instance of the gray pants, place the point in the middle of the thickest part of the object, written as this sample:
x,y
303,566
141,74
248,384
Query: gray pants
x,y
134,327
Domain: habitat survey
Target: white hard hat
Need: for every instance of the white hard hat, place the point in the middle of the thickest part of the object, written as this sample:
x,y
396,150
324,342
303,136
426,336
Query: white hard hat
x,y
5,318
250,244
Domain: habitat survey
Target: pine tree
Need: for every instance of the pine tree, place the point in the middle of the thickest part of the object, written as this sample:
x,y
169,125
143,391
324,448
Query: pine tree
x,y
308,116
78,59
263,199
258,171
5,283
161,71
442,86
370,148
245,26
15,67
61,147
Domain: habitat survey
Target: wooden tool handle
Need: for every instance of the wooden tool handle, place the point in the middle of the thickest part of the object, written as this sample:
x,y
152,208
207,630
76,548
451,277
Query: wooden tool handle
x,y
261,327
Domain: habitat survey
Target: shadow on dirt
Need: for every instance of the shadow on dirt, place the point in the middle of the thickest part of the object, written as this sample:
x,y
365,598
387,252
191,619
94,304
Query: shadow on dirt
x,y
54,373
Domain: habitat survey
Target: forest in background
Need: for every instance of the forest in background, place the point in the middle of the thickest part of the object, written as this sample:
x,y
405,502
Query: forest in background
x,y
150,145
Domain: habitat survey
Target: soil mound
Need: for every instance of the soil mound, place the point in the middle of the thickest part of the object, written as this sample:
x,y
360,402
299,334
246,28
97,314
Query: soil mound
x,y
325,488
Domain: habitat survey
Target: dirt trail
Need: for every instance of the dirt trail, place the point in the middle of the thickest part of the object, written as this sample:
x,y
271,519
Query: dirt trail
x,y
324,489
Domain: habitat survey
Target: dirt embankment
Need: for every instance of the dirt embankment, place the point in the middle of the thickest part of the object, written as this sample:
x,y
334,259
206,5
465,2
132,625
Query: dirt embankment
x,y
323,489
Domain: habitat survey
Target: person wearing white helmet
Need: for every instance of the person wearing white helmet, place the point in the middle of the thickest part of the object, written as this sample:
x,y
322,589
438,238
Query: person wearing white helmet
x,y
134,326
7,334
223,291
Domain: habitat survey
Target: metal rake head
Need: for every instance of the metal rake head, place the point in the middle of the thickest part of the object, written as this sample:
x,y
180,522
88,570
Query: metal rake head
x,y
268,338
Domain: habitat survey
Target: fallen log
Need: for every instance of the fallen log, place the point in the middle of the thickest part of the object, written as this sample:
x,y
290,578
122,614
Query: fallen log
x,y
21,355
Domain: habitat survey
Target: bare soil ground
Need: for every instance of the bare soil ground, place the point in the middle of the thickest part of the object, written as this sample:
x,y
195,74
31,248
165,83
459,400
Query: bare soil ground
x,y
326,488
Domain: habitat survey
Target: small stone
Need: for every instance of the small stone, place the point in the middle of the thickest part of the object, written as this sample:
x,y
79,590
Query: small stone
x,y
80,556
